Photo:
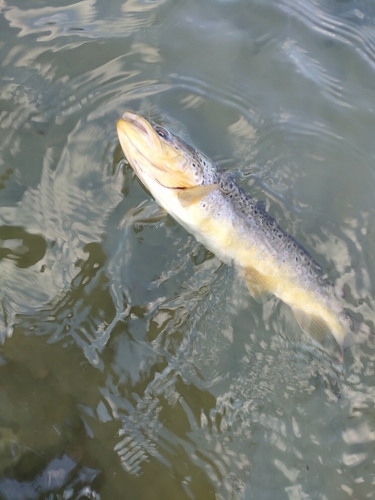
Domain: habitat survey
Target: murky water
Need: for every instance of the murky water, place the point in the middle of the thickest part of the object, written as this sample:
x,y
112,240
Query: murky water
x,y
134,364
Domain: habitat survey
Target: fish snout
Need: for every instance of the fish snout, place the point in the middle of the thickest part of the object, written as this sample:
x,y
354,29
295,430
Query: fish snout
x,y
139,129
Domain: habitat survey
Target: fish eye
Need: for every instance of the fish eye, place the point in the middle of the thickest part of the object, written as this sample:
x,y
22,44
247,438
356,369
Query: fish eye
x,y
162,132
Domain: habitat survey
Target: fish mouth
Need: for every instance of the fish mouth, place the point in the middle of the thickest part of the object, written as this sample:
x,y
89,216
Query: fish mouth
x,y
138,139
152,155
142,126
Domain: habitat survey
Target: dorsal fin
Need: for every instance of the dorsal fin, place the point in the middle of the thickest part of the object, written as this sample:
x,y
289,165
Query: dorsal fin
x,y
192,195
259,286
261,206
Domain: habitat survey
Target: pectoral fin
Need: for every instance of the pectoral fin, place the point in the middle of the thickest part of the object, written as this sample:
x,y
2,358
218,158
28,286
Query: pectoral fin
x,y
192,195
146,212
259,286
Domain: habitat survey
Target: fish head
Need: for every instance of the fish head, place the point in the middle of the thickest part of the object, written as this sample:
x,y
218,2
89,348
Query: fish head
x,y
156,153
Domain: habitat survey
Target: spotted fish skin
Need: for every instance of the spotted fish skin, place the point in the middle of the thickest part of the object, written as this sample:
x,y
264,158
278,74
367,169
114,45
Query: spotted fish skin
x,y
238,229
282,246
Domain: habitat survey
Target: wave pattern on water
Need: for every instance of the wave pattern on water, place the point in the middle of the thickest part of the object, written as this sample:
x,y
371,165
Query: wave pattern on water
x,y
198,312
177,375
162,422
80,19
351,23
313,70
69,218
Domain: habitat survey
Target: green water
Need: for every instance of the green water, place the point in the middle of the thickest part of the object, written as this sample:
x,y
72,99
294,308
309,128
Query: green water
x,y
134,365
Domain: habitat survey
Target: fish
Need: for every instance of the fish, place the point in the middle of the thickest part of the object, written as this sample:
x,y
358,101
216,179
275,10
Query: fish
x,y
210,205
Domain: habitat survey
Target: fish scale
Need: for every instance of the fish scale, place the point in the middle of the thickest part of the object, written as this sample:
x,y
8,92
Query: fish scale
x,y
284,246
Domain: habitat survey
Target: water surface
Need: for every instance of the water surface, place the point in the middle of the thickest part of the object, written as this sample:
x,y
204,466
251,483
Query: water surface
x,y
133,363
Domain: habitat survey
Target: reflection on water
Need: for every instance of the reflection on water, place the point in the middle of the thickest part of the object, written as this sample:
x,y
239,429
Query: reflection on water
x,y
133,362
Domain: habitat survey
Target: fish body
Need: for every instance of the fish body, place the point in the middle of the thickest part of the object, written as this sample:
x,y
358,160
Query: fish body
x,y
235,227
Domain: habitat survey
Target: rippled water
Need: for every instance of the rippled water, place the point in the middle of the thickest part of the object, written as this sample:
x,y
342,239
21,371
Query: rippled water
x,y
134,364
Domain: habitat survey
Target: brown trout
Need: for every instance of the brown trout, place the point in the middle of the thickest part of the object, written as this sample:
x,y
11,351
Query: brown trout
x,y
236,228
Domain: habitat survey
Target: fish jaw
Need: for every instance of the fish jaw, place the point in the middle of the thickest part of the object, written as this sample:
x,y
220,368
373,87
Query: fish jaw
x,y
152,154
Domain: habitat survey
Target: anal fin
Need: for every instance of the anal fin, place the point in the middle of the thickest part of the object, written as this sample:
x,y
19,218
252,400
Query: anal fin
x,y
319,330
259,286
314,326
188,196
